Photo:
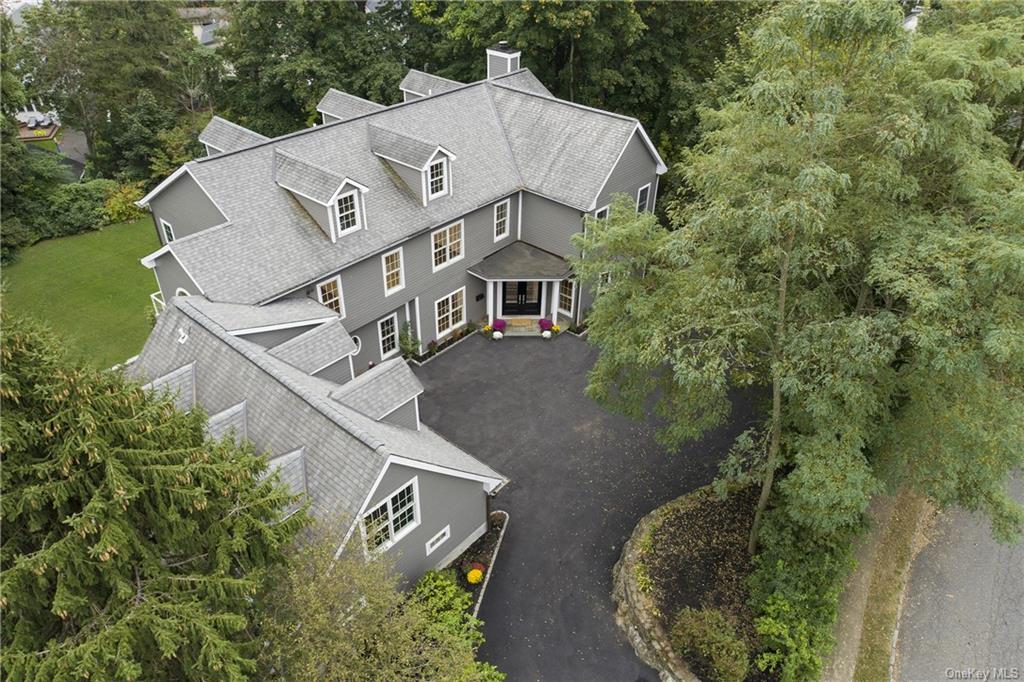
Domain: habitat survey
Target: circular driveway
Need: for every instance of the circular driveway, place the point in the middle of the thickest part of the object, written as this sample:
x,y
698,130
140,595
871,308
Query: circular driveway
x,y
581,478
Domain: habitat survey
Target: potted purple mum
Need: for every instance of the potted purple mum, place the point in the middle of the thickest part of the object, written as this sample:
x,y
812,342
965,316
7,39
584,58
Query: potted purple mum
x,y
545,328
499,329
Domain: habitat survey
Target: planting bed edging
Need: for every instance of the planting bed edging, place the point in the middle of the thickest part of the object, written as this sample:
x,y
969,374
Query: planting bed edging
x,y
494,557
635,612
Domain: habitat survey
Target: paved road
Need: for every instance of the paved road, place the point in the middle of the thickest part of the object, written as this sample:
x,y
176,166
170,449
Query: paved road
x,y
965,604
581,479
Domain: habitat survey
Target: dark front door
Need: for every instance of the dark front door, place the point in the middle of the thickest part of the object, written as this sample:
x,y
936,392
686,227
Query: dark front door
x,y
520,298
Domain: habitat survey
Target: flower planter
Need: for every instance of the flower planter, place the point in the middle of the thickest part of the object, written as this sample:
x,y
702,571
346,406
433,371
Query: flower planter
x,y
546,334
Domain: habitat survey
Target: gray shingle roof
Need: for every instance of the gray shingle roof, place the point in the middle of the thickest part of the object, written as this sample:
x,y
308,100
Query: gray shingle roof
x,y
235,317
227,136
523,79
287,410
292,469
230,420
426,84
504,139
405,149
313,350
307,179
381,390
180,383
520,260
345,106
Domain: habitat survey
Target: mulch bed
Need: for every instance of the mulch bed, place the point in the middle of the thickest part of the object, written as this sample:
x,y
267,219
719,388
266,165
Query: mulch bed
x,y
482,552
697,557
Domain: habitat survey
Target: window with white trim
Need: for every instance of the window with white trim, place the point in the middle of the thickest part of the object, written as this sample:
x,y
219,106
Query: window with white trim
x,y
603,280
642,195
347,208
437,178
601,213
447,245
389,521
388,333
181,292
359,345
566,288
394,271
168,231
450,311
439,539
501,220
329,293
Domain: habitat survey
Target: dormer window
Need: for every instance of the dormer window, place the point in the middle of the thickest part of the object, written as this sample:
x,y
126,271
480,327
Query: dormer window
x,y
347,208
438,178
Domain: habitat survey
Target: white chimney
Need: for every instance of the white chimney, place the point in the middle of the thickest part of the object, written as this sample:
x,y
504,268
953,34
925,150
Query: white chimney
x,y
502,59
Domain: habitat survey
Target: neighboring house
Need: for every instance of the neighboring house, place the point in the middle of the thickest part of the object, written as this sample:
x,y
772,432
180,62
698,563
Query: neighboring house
x,y
291,265
205,22
280,376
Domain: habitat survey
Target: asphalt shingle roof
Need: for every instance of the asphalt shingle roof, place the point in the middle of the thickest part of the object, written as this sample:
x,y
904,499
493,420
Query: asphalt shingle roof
x,y
345,106
426,84
179,383
520,260
227,136
379,391
505,139
313,350
523,79
235,317
303,177
405,149
230,420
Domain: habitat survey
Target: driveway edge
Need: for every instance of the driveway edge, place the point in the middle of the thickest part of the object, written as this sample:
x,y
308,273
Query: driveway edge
x,y
494,559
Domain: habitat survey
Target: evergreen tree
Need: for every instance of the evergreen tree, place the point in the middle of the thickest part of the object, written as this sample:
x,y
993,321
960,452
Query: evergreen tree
x,y
133,546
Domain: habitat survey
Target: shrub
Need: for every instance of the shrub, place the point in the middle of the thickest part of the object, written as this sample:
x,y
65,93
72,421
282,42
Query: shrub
x,y
708,642
120,207
408,341
78,207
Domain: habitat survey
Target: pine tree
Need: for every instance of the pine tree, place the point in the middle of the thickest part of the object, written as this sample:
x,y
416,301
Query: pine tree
x,y
133,546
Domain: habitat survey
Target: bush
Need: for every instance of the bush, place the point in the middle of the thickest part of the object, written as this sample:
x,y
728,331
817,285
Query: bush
x,y
708,642
408,342
78,207
120,207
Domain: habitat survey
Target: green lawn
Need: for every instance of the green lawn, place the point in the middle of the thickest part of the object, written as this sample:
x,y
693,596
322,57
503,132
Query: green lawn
x,y
90,288
49,145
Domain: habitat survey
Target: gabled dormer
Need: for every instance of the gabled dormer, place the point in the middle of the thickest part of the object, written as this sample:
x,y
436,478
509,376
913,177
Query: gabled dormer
x,y
426,168
335,202
221,136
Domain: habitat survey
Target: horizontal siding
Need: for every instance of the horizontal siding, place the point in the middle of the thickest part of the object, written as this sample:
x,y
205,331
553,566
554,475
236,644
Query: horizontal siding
x,y
186,207
635,168
338,372
369,339
404,416
170,275
550,225
317,212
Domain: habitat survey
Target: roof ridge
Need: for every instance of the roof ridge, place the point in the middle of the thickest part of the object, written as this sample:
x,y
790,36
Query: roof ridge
x,y
434,75
304,162
401,134
552,98
504,135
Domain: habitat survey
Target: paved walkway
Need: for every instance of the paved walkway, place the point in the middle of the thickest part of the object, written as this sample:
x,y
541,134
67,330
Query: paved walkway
x,y
581,479
965,604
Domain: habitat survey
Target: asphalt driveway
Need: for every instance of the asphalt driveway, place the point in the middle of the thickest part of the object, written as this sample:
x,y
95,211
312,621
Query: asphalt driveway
x,y
580,480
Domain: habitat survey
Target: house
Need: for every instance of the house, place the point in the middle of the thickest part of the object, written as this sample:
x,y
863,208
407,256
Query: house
x,y
289,268
280,376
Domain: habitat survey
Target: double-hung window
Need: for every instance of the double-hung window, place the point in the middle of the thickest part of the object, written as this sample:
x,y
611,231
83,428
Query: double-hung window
x,y
450,311
601,213
388,331
348,212
566,289
437,178
168,231
393,518
447,244
329,293
394,272
641,198
501,220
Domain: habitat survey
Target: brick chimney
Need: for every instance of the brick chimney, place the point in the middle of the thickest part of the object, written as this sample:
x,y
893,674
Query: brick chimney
x,y
502,59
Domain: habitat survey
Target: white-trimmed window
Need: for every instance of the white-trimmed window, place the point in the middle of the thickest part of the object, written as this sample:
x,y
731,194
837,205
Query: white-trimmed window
x,y
393,518
347,209
359,345
601,213
329,293
642,197
394,271
388,333
450,312
566,289
437,178
501,220
439,539
181,292
603,280
168,231
447,245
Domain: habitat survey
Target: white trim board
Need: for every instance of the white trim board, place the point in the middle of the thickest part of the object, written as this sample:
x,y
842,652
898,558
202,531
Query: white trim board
x,y
284,325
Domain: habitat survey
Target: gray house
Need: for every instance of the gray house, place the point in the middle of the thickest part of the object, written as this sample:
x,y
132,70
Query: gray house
x,y
290,265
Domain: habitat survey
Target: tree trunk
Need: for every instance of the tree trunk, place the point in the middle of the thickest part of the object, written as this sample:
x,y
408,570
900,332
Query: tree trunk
x,y
772,461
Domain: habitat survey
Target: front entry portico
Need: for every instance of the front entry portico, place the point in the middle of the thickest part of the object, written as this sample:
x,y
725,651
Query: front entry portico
x,y
524,281
520,298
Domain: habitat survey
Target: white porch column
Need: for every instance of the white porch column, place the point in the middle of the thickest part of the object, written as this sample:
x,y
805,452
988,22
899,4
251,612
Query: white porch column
x,y
554,301
490,302
543,299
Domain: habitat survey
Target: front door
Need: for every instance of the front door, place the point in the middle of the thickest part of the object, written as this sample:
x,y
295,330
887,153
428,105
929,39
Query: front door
x,y
520,298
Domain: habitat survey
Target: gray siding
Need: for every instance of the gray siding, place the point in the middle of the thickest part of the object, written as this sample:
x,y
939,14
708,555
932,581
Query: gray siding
x,y
411,177
316,211
170,275
340,372
443,501
550,225
369,339
635,168
329,119
496,66
186,207
404,416
409,96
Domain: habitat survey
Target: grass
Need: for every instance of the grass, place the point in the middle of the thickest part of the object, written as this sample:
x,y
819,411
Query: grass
x,y
888,579
49,145
90,288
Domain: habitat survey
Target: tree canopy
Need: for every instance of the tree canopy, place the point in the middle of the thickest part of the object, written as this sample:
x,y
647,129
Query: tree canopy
x,y
133,545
